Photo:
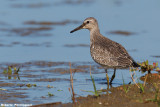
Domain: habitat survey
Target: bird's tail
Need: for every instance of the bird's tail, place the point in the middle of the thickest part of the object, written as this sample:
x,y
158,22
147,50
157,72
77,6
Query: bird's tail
x,y
134,64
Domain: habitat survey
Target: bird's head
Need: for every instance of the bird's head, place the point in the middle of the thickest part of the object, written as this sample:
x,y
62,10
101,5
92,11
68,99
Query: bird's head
x,y
89,23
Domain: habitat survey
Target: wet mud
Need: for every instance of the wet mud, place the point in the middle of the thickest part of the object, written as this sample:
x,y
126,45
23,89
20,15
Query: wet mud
x,y
151,78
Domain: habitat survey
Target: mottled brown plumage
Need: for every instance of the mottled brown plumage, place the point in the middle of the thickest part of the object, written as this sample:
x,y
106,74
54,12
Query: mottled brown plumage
x,y
109,54
104,51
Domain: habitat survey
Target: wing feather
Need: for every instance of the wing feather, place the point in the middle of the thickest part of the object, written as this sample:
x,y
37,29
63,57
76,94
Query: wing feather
x,y
109,53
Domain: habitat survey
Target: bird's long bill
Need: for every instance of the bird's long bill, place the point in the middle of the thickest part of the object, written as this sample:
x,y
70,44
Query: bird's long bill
x,y
78,28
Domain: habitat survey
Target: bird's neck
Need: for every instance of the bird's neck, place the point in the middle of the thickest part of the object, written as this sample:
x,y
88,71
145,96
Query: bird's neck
x,y
94,33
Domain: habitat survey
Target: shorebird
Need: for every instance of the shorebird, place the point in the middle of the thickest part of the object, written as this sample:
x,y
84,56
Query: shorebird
x,y
107,53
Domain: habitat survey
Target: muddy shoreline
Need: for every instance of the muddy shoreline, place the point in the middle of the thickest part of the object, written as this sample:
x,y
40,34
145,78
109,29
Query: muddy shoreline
x,y
117,96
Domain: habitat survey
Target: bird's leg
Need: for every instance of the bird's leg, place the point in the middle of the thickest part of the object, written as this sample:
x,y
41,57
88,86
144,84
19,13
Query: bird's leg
x,y
113,76
107,77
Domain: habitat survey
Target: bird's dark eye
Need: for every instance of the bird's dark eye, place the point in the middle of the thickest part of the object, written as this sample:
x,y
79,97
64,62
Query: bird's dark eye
x,y
87,21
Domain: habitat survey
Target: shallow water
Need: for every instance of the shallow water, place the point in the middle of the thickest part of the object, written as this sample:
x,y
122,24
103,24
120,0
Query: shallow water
x,y
22,42
57,76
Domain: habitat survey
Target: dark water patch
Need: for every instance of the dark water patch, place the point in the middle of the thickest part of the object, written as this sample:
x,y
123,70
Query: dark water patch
x,y
3,23
32,5
11,97
51,23
83,66
59,70
66,71
30,64
16,43
7,84
46,44
21,87
8,94
118,3
51,79
10,102
34,31
5,45
74,2
124,33
45,63
76,45
29,31
18,94
31,75
4,29
156,56
98,80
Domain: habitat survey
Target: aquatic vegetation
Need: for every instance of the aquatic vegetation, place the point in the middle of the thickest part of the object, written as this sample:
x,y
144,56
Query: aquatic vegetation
x,y
145,66
10,71
31,85
126,89
139,85
95,92
48,86
16,70
50,94
71,85
3,89
28,85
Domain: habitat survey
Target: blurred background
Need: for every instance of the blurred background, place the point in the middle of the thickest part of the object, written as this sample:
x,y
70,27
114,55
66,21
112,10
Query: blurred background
x,y
33,30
